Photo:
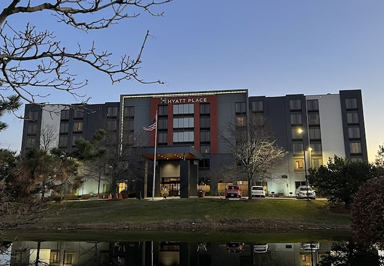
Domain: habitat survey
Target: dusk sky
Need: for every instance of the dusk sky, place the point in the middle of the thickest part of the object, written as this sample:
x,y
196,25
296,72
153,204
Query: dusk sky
x,y
270,47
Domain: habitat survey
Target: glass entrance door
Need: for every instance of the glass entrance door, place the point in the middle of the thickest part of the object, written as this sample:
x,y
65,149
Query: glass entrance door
x,y
172,184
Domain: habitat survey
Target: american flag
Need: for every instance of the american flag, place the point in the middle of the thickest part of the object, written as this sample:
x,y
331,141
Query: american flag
x,y
152,126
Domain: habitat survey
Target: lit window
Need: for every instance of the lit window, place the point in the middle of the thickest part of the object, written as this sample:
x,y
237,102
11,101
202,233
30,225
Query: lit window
x,y
299,164
241,121
355,147
77,126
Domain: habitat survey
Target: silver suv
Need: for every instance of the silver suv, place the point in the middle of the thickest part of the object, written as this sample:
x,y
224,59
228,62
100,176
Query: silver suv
x,y
304,192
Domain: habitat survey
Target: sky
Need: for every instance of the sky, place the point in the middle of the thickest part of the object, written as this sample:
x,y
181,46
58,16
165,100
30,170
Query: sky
x,y
270,47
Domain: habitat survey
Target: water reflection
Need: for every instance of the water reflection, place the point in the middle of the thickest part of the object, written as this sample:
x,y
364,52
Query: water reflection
x,y
185,253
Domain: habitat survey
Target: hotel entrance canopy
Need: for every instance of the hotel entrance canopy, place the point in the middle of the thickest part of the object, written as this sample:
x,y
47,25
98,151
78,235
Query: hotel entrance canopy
x,y
171,153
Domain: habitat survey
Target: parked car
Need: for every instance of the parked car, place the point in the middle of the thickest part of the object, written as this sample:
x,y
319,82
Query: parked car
x,y
304,192
260,248
310,247
233,191
258,191
235,247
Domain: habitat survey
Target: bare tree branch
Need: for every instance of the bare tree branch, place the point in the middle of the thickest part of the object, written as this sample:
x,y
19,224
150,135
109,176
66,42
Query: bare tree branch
x,y
31,60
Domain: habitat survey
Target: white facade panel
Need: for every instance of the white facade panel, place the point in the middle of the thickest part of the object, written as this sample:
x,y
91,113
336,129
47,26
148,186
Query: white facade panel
x,y
331,125
50,126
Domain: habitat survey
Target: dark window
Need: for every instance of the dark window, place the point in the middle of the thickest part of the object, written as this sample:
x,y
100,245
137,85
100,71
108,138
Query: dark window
x,y
112,125
313,105
298,148
129,111
316,148
128,124
240,108
314,133
163,122
163,110
163,137
78,114
179,109
352,117
32,128
314,119
64,114
205,108
112,111
205,122
204,164
64,127
296,119
295,104
33,115
31,141
75,137
63,141
351,103
205,136
257,106
354,132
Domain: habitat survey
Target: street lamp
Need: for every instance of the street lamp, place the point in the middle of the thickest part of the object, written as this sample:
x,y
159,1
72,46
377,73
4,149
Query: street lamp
x,y
300,131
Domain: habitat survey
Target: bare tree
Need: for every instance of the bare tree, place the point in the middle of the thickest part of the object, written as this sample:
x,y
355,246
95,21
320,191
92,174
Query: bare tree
x,y
253,147
32,59
48,137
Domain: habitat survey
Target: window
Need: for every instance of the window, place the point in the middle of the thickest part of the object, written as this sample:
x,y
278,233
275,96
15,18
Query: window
x,y
205,136
205,122
355,147
240,108
64,127
112,125
299,164
204,164
32,128
112,111
74,138
296,119
295,104
241,120
257,106
351,103
68,258
313,119
129,111
296,134
316,148
78,114
77,126
314,133
179,109
205,148
33,115
316,163
31,141
163,123
180,137
205,109
128,124
163,110
313,105
354,132
298,148
64,114
63,141
162,137
352,118
183,122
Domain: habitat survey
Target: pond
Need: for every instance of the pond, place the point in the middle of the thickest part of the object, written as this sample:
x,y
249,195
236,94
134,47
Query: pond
x,y
172,253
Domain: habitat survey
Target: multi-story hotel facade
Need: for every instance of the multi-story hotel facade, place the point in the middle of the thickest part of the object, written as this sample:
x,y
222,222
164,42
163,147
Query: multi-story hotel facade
x,y
189,146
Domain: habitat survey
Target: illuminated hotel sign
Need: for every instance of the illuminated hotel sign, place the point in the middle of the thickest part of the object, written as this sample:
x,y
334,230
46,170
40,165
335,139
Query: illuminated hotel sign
x,y
183,100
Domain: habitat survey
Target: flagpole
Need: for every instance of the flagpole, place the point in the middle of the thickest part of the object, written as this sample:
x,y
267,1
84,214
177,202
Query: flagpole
x,y
154,161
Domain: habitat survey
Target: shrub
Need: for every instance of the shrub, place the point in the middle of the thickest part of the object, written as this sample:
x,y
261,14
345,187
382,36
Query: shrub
x,y
368,212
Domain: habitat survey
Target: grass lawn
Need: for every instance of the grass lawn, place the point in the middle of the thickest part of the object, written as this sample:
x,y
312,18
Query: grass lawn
x,y
195,209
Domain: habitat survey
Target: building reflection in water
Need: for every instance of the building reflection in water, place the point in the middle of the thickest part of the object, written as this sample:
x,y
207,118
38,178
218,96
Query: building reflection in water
x,y
162,253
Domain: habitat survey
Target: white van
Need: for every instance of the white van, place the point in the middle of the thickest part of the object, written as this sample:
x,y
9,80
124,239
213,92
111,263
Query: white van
x,y
258,191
